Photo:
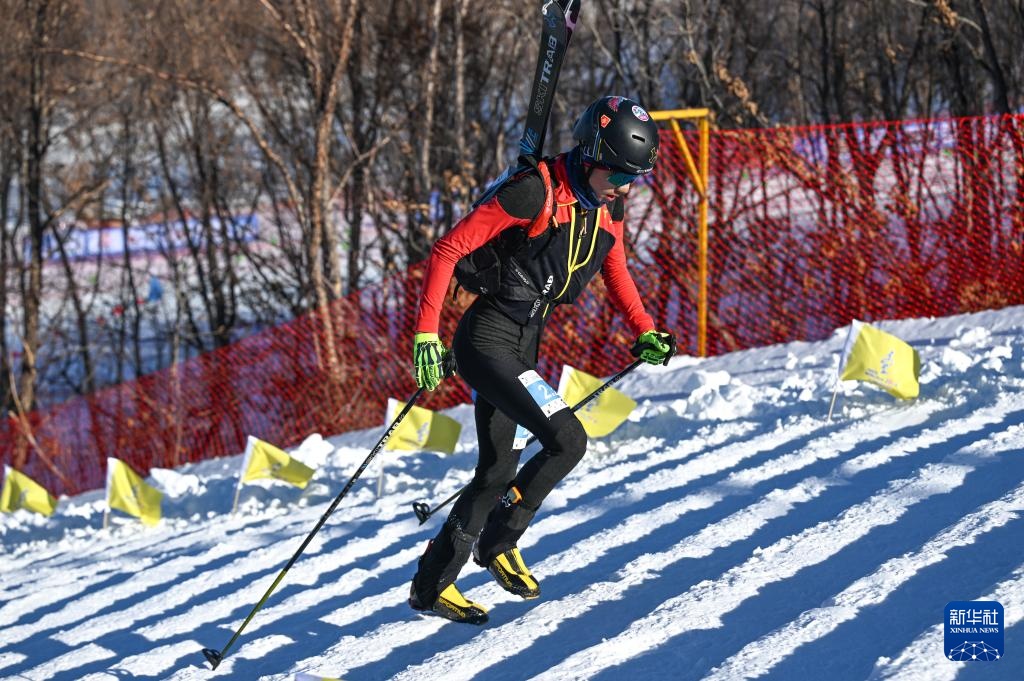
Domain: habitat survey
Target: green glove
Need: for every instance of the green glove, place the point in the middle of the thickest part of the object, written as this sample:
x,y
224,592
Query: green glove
x,y
428,355
654,347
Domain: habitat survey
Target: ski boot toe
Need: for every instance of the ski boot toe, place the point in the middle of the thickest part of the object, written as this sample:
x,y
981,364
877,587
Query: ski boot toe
x,y
452,605
511,573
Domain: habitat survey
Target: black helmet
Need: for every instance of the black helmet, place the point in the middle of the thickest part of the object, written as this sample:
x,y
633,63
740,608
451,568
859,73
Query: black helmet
x,y
618,133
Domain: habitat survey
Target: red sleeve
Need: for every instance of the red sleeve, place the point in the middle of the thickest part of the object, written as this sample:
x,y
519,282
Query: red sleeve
x,y
621,287
473,231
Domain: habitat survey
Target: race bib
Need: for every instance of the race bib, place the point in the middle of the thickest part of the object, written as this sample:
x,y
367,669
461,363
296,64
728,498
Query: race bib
x,y
546,398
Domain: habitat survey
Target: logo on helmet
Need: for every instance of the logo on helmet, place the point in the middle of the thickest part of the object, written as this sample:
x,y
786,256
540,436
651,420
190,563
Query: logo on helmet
x,y
639,112
613,103
605,121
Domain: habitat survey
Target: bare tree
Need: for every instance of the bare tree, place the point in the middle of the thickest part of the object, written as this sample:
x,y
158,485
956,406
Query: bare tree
x,y
48,85
10,162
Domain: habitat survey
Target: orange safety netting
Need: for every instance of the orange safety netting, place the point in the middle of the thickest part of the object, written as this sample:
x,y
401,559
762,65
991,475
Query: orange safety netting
x,y
808,229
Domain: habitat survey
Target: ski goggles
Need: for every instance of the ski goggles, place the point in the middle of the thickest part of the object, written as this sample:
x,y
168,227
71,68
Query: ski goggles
x,y
619,179
616,177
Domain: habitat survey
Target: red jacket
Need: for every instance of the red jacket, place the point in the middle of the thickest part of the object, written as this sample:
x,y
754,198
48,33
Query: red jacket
x,y
559,259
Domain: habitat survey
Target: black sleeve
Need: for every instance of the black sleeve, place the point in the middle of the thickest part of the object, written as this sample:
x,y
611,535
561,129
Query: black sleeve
x,y
522,197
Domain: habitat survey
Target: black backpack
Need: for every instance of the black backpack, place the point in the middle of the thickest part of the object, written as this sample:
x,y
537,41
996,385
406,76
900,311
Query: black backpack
x,y
480,272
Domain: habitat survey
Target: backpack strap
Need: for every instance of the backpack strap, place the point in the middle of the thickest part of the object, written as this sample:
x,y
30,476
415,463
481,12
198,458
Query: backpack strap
x,y
540,223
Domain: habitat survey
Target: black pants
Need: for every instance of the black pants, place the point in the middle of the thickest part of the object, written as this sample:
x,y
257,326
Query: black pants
x,y
498,358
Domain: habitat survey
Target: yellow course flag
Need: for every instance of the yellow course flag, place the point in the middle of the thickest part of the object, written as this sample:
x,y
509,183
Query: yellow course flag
x,y
422,429
264,460
128,492
601,415
877,357
21,491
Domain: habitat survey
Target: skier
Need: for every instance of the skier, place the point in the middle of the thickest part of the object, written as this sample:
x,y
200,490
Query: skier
x,y
532,244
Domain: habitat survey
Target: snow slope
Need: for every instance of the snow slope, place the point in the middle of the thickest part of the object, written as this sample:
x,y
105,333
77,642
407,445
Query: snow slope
x,y
726,531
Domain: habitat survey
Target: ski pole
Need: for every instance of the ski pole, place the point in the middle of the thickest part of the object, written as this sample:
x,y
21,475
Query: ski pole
x,y
423,512
215,657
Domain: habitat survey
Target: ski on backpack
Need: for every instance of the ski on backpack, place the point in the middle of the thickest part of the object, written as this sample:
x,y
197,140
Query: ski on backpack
x,y
559,23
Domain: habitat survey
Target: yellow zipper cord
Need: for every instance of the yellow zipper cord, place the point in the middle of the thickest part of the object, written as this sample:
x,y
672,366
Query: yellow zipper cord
x,y
572,264
554,224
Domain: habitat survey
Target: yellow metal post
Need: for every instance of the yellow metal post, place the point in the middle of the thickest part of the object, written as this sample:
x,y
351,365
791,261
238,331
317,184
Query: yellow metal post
x,y
699,173
704,132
